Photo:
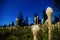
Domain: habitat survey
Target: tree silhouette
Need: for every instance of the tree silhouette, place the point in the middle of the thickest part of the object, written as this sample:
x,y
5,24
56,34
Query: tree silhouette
x,y
12,24
24,24
35,15
56,19
26,21
9,25
4,25
39,20
57,4
20,17
44,16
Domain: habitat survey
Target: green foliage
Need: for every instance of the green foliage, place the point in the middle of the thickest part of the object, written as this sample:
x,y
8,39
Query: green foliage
x,y
44,35
24,33
56,33
19,34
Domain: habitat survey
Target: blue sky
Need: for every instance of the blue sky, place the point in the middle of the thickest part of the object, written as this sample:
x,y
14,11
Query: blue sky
x,y
9,9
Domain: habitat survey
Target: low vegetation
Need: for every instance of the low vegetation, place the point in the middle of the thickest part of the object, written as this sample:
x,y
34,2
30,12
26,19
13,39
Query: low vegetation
x,y
24,33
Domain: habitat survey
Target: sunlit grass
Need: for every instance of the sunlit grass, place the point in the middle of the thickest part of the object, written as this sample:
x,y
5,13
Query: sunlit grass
x,y
25,33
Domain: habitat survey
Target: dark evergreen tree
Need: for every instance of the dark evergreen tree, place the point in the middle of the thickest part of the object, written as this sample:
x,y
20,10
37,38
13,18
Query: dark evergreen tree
x,y
57,4
4,25
31,24
35,15
44,16
26,21
56,19
9,25
12,24
39,21
24,24
20,17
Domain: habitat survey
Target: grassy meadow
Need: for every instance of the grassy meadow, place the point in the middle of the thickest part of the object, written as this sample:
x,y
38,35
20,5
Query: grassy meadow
x,y
25,33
